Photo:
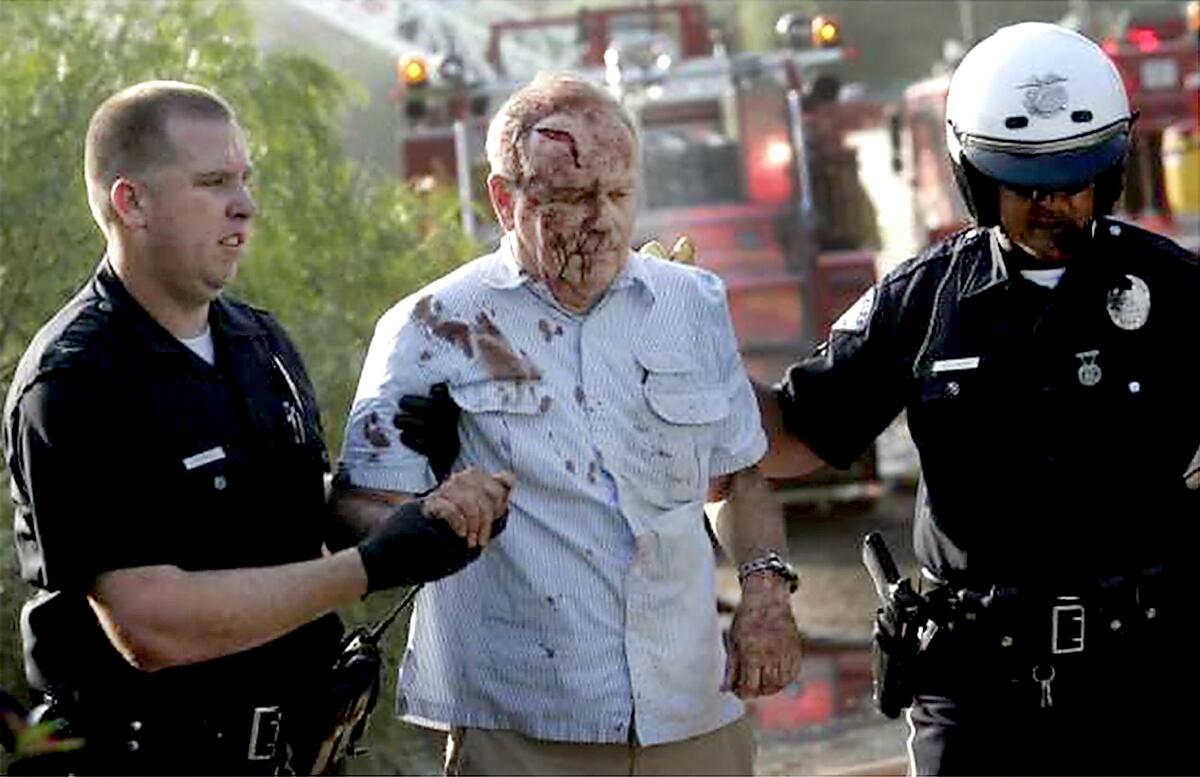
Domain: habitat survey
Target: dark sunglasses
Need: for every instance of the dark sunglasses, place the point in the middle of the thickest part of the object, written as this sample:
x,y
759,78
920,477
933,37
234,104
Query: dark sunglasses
x,y
1038,192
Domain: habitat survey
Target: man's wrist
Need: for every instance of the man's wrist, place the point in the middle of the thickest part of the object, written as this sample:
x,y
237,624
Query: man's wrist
x,y
768,566
764,585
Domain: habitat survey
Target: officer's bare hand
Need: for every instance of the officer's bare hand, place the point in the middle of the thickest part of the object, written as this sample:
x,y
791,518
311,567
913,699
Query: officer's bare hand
x,y
765,649
471,501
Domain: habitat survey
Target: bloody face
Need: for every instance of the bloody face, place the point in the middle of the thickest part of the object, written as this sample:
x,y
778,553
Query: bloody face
x,y
573,212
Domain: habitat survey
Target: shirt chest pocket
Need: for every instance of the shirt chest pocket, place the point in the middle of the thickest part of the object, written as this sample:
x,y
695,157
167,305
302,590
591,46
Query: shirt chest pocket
x,y
207,473
499,420
957,395
210,504
680,410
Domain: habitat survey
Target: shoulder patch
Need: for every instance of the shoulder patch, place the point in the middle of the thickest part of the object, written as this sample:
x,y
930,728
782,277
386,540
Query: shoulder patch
x,y
858,315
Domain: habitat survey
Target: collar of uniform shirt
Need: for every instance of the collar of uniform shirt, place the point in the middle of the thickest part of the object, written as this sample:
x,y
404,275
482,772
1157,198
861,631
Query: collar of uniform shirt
x,y
984,273
504,272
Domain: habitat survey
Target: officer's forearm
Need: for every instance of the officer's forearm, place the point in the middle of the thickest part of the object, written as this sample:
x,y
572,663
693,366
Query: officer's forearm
x,y
787,456
162,616
356,511
749,522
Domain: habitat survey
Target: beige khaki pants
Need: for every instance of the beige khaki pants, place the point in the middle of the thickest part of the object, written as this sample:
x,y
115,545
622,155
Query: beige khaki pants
x,y
476,751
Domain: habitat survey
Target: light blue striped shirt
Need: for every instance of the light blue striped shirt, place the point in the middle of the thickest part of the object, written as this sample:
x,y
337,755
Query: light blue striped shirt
x,y
596,607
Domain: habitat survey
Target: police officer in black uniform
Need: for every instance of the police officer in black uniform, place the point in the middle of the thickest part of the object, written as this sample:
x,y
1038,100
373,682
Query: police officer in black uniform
x,y
1048,362
168,467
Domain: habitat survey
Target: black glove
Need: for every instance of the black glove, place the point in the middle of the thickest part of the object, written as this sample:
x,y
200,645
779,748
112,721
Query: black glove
x,y
429,426
409,548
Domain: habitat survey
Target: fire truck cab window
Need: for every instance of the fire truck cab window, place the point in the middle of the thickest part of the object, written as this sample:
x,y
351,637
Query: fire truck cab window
x,y
690,164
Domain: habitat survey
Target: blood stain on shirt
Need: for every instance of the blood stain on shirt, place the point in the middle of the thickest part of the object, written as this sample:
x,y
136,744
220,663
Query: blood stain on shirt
x,y
373,433
498,355
428,311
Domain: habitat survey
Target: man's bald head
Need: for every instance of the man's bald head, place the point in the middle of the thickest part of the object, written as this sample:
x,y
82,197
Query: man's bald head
x,y
548,94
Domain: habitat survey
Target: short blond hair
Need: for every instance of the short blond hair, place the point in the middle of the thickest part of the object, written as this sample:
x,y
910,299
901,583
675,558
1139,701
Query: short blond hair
x,y
127,134
549,93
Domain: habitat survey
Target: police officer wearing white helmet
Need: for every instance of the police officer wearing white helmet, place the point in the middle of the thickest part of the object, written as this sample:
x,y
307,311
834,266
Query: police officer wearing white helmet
x,y
1047,359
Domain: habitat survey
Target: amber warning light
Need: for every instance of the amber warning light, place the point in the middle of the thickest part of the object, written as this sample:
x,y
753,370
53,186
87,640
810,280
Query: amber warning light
x,y
825,31
413,71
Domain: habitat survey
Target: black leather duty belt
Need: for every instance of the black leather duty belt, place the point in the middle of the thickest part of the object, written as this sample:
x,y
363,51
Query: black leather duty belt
x,y
1094,615
254,736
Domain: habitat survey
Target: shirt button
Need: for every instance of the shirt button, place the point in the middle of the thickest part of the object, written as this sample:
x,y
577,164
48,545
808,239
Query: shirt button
x,y
1114,230
1134,387
105,306
219,482
953,389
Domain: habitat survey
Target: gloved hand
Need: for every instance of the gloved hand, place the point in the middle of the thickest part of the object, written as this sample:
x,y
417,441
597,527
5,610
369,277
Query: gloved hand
x,y
683,252
428,539
429,426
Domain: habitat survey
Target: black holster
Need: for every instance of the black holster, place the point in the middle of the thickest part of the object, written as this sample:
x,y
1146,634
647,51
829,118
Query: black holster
x,y
356,680
893,653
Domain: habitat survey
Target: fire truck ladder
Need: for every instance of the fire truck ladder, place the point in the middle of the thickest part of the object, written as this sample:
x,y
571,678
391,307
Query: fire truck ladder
x,y
439,27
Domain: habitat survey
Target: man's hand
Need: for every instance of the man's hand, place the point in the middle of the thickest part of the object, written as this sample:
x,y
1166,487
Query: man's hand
x,y
764,650
419,543
471,501
429,426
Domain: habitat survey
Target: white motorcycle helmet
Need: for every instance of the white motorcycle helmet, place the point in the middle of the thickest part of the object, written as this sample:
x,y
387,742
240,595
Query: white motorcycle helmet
x,y
1037,107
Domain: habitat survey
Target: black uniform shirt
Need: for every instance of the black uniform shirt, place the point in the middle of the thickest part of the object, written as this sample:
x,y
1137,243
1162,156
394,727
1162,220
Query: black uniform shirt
x,y
1054,427
126,449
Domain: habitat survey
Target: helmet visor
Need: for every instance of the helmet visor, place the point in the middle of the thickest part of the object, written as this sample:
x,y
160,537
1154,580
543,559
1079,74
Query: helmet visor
x,y
1067,170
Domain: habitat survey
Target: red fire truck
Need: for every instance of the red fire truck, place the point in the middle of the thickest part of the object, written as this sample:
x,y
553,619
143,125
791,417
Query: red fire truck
x,y
743,153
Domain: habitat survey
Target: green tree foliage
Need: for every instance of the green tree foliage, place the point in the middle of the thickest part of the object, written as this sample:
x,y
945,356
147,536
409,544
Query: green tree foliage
x,y
334,247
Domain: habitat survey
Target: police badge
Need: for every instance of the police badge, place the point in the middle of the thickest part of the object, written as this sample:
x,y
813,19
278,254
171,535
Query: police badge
x,y
1129,307
1045,95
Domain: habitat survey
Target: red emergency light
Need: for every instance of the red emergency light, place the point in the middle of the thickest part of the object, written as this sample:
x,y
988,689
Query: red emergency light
x,y
770,173
1145,38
